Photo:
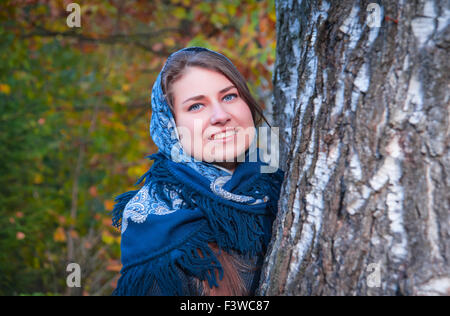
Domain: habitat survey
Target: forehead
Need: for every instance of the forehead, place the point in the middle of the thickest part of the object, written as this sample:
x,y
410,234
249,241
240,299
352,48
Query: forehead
x,y
196,81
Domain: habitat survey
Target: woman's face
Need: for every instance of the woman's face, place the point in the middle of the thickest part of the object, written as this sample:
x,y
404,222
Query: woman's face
x,y
214,123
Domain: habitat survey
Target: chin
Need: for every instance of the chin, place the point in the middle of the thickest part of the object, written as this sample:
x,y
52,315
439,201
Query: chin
x,y
226,155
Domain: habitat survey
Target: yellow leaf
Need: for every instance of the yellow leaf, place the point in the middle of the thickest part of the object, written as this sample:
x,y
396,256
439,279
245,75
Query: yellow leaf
x,y
231,9
169,41
107,238
179,12
273,16
137,171
230,42
38,179
59,235
125,87
204,7
118,126
41,10
119,98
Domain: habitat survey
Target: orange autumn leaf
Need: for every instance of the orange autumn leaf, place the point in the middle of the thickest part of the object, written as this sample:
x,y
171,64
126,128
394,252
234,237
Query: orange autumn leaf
x,y
109,205
59,235
114,267
74,234
106,221
93,191
5,89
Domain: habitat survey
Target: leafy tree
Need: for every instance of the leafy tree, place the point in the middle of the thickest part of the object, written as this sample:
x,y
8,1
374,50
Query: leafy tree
x,y
74,115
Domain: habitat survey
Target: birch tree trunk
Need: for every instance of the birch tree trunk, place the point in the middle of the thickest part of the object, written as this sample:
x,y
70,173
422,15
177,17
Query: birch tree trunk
x,y
364,205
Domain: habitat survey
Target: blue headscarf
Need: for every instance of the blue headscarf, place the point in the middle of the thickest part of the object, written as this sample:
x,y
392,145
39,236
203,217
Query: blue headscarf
x,y
183,205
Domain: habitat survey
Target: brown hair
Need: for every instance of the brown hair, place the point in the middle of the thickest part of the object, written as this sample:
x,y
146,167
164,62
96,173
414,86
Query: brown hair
x,y
231,283
178,62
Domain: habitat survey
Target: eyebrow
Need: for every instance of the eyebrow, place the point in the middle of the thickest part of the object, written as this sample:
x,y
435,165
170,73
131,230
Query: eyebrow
x,y
199,97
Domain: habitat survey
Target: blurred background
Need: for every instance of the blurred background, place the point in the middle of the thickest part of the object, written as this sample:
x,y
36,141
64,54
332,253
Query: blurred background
x,y
74,121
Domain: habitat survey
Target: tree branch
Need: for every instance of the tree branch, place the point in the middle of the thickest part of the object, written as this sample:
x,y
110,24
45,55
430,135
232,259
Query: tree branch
x,y
133,39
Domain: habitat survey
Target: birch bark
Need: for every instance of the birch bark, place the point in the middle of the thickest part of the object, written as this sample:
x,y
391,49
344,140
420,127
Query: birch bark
x,y
365,109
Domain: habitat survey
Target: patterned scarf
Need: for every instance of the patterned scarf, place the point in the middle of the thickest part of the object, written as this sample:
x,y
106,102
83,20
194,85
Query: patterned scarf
x,y
183,205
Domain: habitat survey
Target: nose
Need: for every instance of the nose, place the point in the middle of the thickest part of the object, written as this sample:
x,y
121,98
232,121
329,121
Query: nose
x,y
219,115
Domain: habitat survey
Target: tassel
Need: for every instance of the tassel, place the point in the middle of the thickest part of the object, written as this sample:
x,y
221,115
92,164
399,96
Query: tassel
x,y
124,198
233,229
162,271
122,201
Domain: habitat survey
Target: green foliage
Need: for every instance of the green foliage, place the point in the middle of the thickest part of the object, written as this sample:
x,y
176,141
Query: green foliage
x,y
74,115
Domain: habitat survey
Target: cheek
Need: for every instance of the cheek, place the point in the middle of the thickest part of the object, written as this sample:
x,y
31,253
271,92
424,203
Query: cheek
x,y
244,116
247,123
190,134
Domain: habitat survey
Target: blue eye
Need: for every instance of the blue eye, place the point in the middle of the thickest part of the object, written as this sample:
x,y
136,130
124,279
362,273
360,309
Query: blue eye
x,y
232,94
194,106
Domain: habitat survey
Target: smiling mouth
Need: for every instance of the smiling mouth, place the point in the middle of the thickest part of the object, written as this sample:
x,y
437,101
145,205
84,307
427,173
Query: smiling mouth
x,y
224,135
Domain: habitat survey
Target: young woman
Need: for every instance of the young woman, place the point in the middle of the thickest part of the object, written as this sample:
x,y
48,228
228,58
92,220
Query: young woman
x,y
201,222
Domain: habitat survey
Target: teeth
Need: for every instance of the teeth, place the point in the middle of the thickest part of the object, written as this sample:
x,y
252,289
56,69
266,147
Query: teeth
x,y
223,135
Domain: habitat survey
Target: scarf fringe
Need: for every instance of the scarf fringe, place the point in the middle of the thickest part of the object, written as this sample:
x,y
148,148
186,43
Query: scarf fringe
x,y
233,228
123,199
161,274
229,227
